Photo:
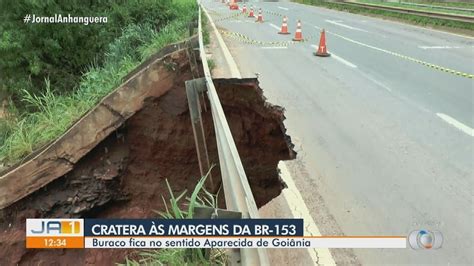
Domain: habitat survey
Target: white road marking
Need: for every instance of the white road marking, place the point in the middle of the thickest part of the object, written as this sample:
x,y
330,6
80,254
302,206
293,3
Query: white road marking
x,y
284,8
455,123
274,26
376,81
357,42
335,22
338,58
405,25
412,59
439,31
274,47
342,60
299,209
439,47
428,29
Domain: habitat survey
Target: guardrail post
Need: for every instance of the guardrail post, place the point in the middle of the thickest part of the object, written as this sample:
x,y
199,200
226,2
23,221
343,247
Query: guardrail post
x,y
193,88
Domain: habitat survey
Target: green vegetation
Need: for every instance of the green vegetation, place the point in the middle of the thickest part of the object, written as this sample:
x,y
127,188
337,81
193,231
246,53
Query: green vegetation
x,y
421,8
199,198
62,52
77,65
410,18
206,38
211,64
462,4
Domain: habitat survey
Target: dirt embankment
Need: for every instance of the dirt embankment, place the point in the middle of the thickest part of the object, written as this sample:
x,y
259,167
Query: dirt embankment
x,y
124,176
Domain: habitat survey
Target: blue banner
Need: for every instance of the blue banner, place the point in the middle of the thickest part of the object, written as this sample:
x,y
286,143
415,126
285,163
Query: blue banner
x,y
193,227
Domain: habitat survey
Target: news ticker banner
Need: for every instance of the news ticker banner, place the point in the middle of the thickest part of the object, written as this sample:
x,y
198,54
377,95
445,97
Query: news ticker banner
x,y
203,233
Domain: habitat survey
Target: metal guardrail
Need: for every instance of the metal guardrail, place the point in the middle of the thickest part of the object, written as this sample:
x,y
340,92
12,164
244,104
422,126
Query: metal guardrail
x,y
439,7
238,195
453,17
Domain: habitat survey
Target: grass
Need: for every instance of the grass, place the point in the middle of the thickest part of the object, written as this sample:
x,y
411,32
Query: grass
x,y
211,64
465,4
407,6
51,114
206,38
176,210
409,18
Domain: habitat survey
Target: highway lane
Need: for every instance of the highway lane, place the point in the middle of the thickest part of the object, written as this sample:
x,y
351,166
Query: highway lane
x,y
374,131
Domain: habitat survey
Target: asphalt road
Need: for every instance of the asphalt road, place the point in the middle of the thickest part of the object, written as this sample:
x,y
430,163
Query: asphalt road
x,y
386,140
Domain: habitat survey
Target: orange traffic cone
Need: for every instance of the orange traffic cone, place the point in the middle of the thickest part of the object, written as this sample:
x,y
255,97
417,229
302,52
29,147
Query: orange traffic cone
x,y
298,33
244,9
233,5
260,16
284,26
322,49
251,15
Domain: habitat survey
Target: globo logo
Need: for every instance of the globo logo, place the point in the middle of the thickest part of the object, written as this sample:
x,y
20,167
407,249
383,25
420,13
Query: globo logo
x,y
425,239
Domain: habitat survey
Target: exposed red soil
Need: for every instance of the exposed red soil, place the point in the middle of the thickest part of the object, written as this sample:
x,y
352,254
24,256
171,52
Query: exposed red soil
x,y
124,176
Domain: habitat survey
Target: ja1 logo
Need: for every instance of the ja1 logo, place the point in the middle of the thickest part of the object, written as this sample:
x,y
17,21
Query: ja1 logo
x,y
54,227
424,239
